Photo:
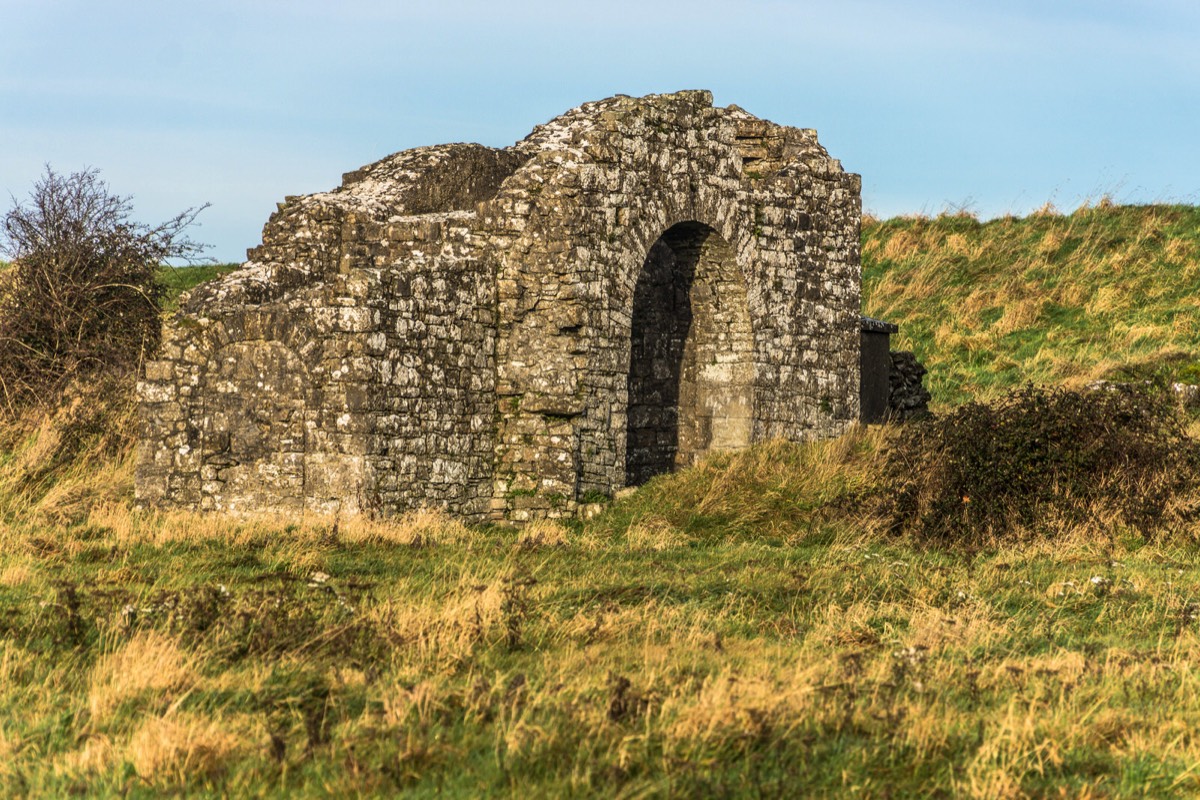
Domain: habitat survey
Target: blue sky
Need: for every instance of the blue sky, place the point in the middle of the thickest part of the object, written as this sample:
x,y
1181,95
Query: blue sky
x,y
998,106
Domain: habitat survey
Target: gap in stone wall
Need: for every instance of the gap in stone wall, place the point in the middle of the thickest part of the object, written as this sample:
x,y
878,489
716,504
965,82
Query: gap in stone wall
x,y
690,370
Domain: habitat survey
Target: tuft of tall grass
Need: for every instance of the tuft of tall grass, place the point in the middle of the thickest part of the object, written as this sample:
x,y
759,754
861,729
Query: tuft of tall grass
x,y
149,666
774,492
175,748
54,465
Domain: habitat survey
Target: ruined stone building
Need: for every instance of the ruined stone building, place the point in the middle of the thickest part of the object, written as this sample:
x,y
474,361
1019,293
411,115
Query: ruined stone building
x,y
511,333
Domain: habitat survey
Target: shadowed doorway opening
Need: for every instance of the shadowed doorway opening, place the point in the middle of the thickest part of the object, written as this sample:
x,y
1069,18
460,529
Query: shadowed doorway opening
x,y
691,368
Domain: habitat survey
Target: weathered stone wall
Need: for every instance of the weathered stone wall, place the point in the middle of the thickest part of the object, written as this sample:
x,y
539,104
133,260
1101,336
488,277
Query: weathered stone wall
x,y
369,335
436,422
237,415
505,333
616,176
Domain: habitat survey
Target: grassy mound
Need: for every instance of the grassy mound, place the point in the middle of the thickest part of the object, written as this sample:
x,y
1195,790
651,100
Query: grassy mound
x,y
774,493
1108,291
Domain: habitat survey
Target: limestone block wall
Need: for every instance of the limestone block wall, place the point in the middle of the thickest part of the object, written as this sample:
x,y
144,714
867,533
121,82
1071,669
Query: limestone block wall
x,y
605,183
346,368
435,424
508,333
251,409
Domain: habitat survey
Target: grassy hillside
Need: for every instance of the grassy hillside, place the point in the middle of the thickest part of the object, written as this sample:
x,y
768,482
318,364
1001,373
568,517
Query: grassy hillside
x,y
1107,291
748,627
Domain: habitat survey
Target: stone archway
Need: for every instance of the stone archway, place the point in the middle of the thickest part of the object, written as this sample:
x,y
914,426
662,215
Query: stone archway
x,y
691,367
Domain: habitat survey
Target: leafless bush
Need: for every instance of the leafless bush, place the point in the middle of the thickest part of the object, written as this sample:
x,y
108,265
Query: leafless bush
x,y
82,296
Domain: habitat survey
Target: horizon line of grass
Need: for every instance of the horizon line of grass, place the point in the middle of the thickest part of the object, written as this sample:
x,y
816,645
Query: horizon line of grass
x,y
177,280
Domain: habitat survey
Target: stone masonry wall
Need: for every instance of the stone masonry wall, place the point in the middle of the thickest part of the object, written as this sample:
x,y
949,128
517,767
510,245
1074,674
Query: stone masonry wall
x,y
604,183
509,333
368,336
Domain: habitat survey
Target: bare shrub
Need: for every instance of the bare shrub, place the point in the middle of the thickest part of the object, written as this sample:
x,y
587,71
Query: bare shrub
x,y
82,295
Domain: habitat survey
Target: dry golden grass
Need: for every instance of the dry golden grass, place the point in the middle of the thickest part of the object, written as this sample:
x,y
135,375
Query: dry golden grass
x,y
1144,334
1023,313
1181,253
9,745
178,747
1106,300
903,245
15,574
95,754
50,472
127,525
150,666
654,533
731,706
958,245
441,634
1051,242
977,301
544,533
416,705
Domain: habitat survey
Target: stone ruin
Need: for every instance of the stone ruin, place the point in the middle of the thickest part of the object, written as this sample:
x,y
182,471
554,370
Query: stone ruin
x,y
516,333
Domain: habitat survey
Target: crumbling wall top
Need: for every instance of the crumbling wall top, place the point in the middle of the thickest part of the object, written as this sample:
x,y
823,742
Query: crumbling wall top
x,y
426,180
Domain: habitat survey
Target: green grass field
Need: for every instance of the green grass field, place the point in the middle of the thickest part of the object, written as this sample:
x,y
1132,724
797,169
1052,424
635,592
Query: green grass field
x,y
745,628
1105,292
723,633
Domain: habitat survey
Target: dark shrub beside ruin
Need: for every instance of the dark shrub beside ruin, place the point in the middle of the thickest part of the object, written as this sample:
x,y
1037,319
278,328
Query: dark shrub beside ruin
x,y
1042,454
81,299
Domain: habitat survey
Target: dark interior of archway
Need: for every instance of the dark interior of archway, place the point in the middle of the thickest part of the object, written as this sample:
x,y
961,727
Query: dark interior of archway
x,y
662,316
691,370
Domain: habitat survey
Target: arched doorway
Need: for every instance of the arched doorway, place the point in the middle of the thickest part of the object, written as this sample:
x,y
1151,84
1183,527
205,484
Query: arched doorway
x,y
691,368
